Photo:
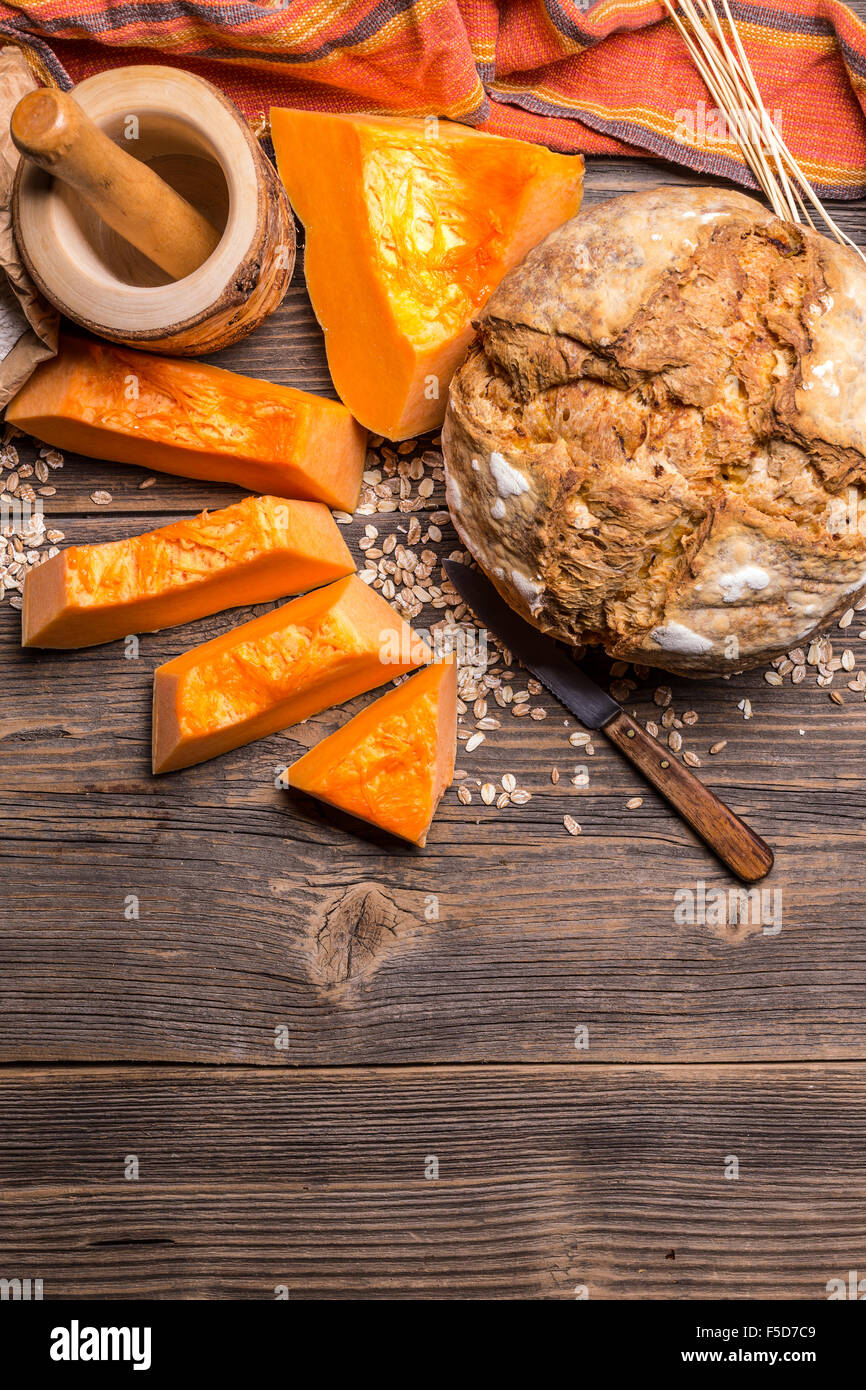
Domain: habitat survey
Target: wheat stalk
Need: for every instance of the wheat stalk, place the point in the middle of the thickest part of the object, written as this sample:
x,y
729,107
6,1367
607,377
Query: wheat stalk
x,y
727,72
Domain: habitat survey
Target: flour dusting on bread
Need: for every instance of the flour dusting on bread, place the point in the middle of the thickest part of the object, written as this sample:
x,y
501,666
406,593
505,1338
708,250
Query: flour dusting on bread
x,y
670,399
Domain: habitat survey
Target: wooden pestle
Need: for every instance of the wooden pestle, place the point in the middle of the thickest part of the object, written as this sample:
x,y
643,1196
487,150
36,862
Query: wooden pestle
x,y
50,128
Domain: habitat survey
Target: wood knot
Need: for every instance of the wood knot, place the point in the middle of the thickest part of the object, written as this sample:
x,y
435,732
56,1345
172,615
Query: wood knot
x,y
356,930
248,279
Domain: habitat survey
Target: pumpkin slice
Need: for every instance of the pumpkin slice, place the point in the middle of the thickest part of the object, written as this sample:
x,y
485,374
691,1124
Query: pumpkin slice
x,y
312,653
175,416
411,224
259,549
392,762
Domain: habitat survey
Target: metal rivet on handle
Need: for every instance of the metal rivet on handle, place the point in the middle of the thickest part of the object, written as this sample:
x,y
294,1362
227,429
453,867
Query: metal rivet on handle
x,y
629,733
665,762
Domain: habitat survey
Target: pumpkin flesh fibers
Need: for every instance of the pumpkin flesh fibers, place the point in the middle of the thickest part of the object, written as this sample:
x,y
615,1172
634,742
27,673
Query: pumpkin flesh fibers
x,y
259,549
410,226
315,652
392,762
192,419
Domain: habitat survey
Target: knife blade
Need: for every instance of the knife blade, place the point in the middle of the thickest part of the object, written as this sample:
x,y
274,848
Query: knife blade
x,y
544,657
734,842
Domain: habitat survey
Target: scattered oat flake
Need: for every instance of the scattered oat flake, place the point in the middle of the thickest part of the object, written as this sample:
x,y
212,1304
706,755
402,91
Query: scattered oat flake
x,y
571,825
464,795
633,803
400,482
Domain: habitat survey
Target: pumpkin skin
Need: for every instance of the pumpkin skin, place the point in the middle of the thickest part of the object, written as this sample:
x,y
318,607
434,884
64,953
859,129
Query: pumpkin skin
x,y
409,227
390,765
260,549
315,652
198,421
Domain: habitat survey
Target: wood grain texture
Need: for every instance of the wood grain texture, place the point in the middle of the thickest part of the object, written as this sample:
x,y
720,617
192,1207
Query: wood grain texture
x,y
536,931
725,833
264,920
613,1179
235,879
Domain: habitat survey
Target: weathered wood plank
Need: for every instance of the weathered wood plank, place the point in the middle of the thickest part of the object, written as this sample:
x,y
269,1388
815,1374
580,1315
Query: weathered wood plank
x,y
243,907
235,881
289,348
548,1181
243,892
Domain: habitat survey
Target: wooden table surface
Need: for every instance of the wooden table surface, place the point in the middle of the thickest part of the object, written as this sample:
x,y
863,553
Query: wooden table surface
x,y
322,1063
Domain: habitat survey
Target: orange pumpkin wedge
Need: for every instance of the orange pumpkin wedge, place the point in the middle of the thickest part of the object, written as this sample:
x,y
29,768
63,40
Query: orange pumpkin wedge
x,y
312,653
176,416
392,762
259,549
410,226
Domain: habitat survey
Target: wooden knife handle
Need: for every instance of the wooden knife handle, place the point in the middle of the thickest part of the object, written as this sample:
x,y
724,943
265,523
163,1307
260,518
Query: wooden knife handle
x,y
744,852
51,129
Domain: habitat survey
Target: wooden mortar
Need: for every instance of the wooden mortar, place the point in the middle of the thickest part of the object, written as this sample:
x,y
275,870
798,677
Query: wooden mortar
x,y
219,257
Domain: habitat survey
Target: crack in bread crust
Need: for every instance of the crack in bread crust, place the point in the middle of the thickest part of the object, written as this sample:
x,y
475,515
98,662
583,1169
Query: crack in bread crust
x,y
650,441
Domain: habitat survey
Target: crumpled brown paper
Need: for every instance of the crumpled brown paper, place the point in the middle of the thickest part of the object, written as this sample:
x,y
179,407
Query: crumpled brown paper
x,y
28,323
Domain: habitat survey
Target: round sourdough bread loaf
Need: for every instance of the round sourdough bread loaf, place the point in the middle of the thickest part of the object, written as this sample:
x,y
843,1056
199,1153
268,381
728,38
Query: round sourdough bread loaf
x,y
657,439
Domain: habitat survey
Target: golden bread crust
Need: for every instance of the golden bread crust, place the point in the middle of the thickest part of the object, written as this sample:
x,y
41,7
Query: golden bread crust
x,y
653,441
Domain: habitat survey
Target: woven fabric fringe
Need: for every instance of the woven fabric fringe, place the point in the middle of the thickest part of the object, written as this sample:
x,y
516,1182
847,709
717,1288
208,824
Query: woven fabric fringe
x,y
611,77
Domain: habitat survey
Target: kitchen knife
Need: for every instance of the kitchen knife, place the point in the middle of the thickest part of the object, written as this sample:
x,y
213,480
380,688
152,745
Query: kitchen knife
x,y
744,852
